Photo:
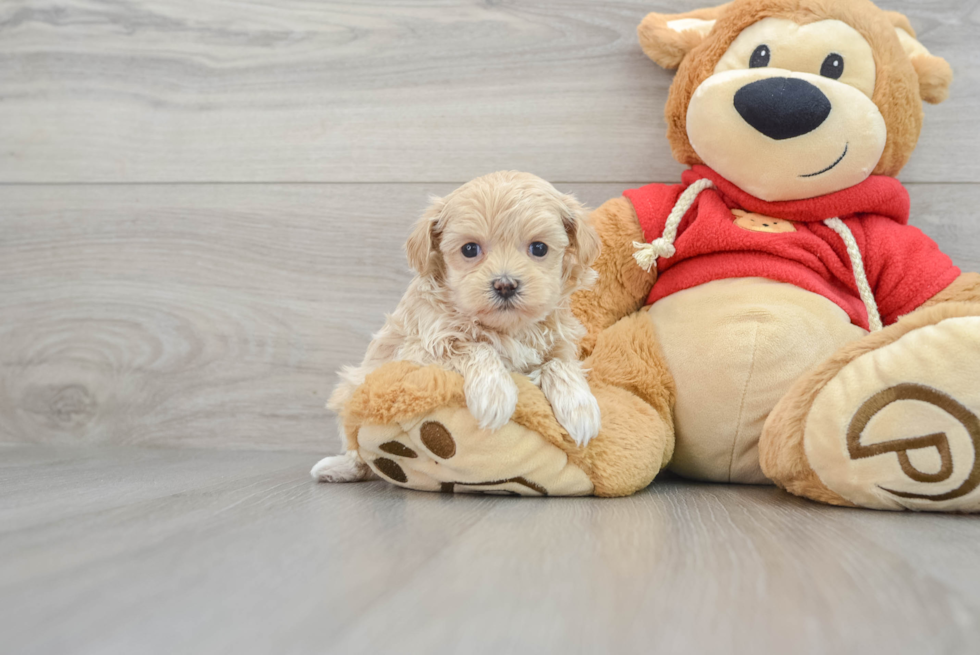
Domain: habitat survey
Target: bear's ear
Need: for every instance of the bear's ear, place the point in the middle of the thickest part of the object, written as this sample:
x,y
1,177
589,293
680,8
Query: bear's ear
x,y
667,38
935,74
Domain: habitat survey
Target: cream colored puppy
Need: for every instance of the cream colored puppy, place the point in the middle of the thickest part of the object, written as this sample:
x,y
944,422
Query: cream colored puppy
x,y
498,260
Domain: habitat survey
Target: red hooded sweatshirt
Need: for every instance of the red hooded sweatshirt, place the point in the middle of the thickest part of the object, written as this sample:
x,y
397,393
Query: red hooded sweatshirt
x,y
904,267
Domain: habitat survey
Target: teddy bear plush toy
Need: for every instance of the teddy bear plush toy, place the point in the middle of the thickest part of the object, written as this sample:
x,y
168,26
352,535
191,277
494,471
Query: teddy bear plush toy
x,y
773,318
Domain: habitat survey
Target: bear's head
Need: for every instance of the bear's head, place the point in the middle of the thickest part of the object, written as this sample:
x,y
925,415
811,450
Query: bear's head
x,y
793,99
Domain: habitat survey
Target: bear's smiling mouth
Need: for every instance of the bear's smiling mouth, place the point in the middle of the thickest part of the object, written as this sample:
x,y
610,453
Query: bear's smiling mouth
x,y
832,166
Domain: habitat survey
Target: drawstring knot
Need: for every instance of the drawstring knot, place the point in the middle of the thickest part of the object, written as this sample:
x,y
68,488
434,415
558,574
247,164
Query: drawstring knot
x,y
647,254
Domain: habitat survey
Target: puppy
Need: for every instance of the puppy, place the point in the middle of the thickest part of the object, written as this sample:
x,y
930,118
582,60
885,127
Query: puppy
x,y
498,260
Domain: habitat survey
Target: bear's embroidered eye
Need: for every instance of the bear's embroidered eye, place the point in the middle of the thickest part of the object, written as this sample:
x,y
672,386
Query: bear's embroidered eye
x,y
833,66
538,249
471,250
760,57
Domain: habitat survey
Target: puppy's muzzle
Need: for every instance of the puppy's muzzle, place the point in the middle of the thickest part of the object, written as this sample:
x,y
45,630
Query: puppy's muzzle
x,y
505,287
782,107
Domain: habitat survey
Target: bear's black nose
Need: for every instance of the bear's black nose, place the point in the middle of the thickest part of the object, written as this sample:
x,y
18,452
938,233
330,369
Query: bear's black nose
x,y
782,107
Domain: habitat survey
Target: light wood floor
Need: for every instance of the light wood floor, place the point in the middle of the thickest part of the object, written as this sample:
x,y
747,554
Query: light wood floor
x,y
202,207
128,550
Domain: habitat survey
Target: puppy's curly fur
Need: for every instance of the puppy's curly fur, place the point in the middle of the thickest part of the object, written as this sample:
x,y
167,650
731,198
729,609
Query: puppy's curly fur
x,y
489,300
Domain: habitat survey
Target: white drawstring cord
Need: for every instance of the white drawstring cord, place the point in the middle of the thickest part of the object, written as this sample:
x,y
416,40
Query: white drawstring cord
x,y
860,276
646,254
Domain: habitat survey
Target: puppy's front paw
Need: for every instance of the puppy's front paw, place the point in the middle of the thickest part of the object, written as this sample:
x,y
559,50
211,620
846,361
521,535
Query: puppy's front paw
x,y
578,413
565,387
342,468
491,400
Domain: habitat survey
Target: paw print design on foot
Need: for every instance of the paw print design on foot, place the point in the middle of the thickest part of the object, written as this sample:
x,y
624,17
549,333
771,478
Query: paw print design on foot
x,y
902,448
446,451
898,426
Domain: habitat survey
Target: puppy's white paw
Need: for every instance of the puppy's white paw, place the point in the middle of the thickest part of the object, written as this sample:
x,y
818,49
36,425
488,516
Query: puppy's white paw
x,y
342,468
565,387
491,400
578,413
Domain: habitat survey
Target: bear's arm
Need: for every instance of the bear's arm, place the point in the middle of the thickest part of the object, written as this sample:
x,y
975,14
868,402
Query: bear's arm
x,y
622,287
965,288
905,267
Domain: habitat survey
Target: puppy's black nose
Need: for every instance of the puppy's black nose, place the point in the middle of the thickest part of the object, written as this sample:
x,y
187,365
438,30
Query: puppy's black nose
x,y
505,287
782,107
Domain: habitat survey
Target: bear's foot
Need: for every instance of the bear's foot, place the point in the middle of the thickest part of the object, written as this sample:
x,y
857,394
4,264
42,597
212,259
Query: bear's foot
x,y
410,425
890,422
446,451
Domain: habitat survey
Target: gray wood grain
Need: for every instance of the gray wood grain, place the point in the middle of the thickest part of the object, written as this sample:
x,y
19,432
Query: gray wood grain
x,y
210,316
216,316
255,558
379,91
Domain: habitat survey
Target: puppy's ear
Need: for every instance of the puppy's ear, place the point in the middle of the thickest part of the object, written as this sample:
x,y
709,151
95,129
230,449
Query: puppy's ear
x,y
422,246
934,73
583,244
667,38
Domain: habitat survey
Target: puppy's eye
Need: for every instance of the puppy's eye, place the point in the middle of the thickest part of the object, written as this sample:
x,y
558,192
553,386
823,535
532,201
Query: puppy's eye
x,y
538,249
471,250
833,66
760,57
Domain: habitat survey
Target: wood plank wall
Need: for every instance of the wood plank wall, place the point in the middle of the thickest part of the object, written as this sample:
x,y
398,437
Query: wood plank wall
x,y
202,203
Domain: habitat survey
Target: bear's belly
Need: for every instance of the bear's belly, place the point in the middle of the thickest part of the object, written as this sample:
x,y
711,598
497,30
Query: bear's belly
x,y
734,348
